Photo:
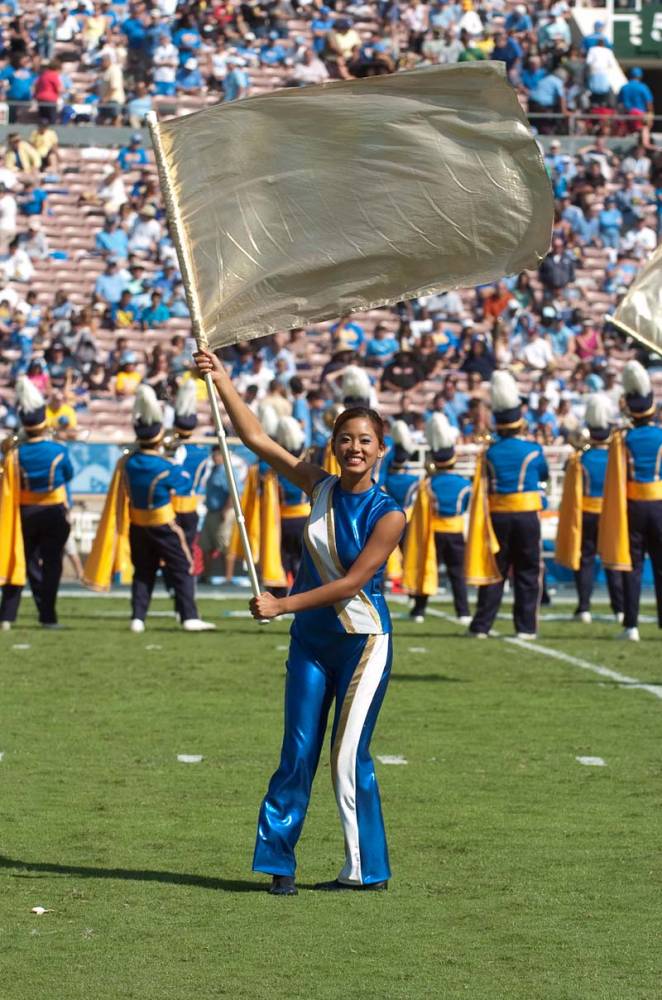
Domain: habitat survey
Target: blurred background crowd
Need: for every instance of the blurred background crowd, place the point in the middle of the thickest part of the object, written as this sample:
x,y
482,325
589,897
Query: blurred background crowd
x,y
91,302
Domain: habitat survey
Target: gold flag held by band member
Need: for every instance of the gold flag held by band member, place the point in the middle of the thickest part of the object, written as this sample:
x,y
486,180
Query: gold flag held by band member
x,y
12,553
569,533
640,311
308,203
613,535
480,565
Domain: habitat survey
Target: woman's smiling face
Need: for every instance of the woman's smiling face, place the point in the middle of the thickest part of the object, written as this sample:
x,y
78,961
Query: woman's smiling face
x,y
357,446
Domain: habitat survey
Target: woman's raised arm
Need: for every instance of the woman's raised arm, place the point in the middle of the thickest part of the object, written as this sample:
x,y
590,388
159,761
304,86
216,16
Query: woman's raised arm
x,y
303,474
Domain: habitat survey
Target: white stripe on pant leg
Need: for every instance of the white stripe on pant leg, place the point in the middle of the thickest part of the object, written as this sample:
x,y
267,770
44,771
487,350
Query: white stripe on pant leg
x,y
345,778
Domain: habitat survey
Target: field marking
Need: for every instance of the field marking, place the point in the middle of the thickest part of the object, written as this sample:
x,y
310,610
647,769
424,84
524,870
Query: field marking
x,y
189,758
391,759
632,683
591,761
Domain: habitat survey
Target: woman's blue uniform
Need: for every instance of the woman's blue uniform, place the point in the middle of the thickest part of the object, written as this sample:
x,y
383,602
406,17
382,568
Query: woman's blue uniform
x,y
342,652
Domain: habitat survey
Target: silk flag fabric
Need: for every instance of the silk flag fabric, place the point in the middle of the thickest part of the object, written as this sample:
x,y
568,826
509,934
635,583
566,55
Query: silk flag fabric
x,y
420,571
308,203
568,549
480,565
12,553
613,534
641,308
111,553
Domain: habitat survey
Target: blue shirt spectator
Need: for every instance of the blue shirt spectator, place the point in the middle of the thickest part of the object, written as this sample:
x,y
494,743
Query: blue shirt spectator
x,y
189,78
112,240
33,200
595,37
133,155
518,21
635,95
506,50
548,92
110,285
611,221
236,82
20,82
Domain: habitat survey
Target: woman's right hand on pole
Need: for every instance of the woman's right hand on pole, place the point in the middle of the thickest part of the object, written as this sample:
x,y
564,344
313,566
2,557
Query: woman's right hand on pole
x,y
208,364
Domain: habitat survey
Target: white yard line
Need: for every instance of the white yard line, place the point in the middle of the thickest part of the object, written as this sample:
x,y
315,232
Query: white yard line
x,y
535,647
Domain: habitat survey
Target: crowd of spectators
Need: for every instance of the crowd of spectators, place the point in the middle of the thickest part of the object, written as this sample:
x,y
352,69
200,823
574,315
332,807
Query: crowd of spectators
x,y
434,353
111,62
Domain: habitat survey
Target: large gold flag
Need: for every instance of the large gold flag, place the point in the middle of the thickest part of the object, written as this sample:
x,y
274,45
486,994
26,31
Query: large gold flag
x,y
640,311
307,203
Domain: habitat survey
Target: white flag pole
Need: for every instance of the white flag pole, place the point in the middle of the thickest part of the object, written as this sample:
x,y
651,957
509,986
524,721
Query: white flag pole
x,y
186,271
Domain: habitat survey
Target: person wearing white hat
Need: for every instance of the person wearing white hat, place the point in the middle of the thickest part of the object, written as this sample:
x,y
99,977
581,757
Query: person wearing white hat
x,y
43,469
154,535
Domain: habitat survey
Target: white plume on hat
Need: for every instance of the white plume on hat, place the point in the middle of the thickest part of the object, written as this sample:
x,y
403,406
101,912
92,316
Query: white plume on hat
x,y
402,436
268,418
355,383
289,434
146,407
439,432
28,396
504,392
598,411
186,403
636,379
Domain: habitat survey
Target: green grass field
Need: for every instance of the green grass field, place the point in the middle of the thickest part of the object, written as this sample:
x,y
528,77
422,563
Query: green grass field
x,y
519,873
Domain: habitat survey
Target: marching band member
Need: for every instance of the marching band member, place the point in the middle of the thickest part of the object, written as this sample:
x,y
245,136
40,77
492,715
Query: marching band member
x,y
192,458
579,513
435,533
340,642
631,520
510,526
139,503
403,468
37,471
294,505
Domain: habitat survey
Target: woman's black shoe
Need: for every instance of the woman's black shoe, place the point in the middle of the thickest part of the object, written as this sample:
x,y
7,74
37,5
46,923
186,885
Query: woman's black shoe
x,y
283,885
336,886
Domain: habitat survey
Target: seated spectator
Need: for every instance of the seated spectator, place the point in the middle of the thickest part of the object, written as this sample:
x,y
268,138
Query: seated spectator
x,y
110,285
479,359
18,266
156,314
381,347
237,82
548,97
134,155
128,377
32,200
158,376
637,163
640,241
59,412
276,398
404,372
139,105
311,69
340,43
37,372
145,233
59,363
21,157
588,342
347,335
507,50
34,240
124,313
97,380
112,241
558,268
188,79
536,351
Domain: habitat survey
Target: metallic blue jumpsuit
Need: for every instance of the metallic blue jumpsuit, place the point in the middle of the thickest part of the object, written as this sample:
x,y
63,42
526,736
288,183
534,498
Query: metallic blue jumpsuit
x,y
342,653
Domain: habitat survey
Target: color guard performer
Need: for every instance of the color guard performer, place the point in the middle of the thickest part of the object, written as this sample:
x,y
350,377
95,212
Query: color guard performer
x,y
516,468
139,504
340,643
435,533
579,513
631,520
34,477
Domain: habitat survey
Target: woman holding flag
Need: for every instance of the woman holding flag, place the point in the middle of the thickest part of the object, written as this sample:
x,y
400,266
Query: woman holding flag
x,y
340,641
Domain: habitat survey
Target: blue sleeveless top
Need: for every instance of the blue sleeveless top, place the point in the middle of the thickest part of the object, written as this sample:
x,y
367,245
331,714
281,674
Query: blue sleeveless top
x,y
336,533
